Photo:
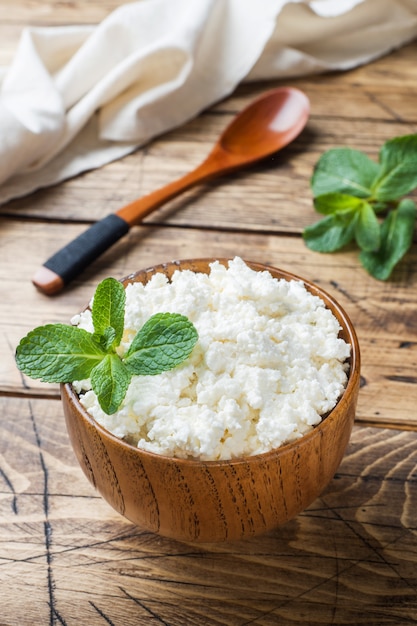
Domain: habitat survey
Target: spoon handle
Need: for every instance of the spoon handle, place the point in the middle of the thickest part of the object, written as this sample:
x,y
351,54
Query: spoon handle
x,y
213,165
77,255
268,124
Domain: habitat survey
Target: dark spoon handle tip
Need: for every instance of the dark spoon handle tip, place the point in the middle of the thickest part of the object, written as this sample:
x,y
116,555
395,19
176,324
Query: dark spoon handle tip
x,y
68,262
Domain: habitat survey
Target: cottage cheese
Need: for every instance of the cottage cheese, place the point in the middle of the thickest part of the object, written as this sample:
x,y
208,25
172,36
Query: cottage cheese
x,y
268,364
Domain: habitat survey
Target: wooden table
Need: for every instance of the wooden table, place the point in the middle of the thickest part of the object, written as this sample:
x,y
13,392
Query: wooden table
x,y
351,558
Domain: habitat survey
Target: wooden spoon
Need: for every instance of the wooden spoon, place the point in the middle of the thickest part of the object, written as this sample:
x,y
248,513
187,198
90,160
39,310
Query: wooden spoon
x,y
268,124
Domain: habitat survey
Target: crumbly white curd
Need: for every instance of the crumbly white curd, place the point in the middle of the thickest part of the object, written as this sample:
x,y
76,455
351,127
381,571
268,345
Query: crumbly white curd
x,y
267,366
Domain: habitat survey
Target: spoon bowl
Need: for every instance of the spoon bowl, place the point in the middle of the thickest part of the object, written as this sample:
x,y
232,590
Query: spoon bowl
x,y
283,113
265,126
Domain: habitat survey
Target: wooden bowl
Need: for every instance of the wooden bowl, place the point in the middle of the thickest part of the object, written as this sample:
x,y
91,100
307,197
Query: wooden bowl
x,y
191,500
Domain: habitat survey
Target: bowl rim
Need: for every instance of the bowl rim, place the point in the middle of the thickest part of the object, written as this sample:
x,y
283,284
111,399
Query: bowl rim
x,y
352,382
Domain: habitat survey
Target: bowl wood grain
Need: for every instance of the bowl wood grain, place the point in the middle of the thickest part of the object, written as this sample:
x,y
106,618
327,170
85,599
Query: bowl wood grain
x,y
191,500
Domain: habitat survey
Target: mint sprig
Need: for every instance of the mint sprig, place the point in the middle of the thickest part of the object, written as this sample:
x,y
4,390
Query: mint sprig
x,y
57,353
362,201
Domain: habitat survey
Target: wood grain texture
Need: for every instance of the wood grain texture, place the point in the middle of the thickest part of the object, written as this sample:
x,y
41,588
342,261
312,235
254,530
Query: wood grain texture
x,y
374,102
349,559
66,557
192,500
383,313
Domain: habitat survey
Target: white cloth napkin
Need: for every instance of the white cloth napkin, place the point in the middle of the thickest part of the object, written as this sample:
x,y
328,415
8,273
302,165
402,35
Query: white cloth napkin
x,y
77,97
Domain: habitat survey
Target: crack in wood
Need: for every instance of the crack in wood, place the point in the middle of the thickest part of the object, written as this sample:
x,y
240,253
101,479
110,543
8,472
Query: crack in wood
x,y
410,380
47,526
12,489
145,608
102,614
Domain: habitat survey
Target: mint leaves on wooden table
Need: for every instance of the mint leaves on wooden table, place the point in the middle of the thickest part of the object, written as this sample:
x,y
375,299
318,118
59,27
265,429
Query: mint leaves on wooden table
x,y
362,200
58,353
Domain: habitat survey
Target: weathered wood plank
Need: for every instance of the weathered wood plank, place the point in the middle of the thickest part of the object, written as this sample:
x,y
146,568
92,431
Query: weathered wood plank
x,y
66,557
44,12
372,101
71,559
273,196
383,313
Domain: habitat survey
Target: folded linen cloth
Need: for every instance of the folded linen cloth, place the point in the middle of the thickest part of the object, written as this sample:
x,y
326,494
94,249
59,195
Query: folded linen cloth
x,y
75,98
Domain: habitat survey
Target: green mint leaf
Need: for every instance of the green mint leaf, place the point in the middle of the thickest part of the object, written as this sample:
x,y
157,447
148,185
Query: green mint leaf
x,y
329,203
367,231
346,171
107,340
397,232
108,311
57,353
63,354
331,233
110,380
163,342
379,207
398,176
